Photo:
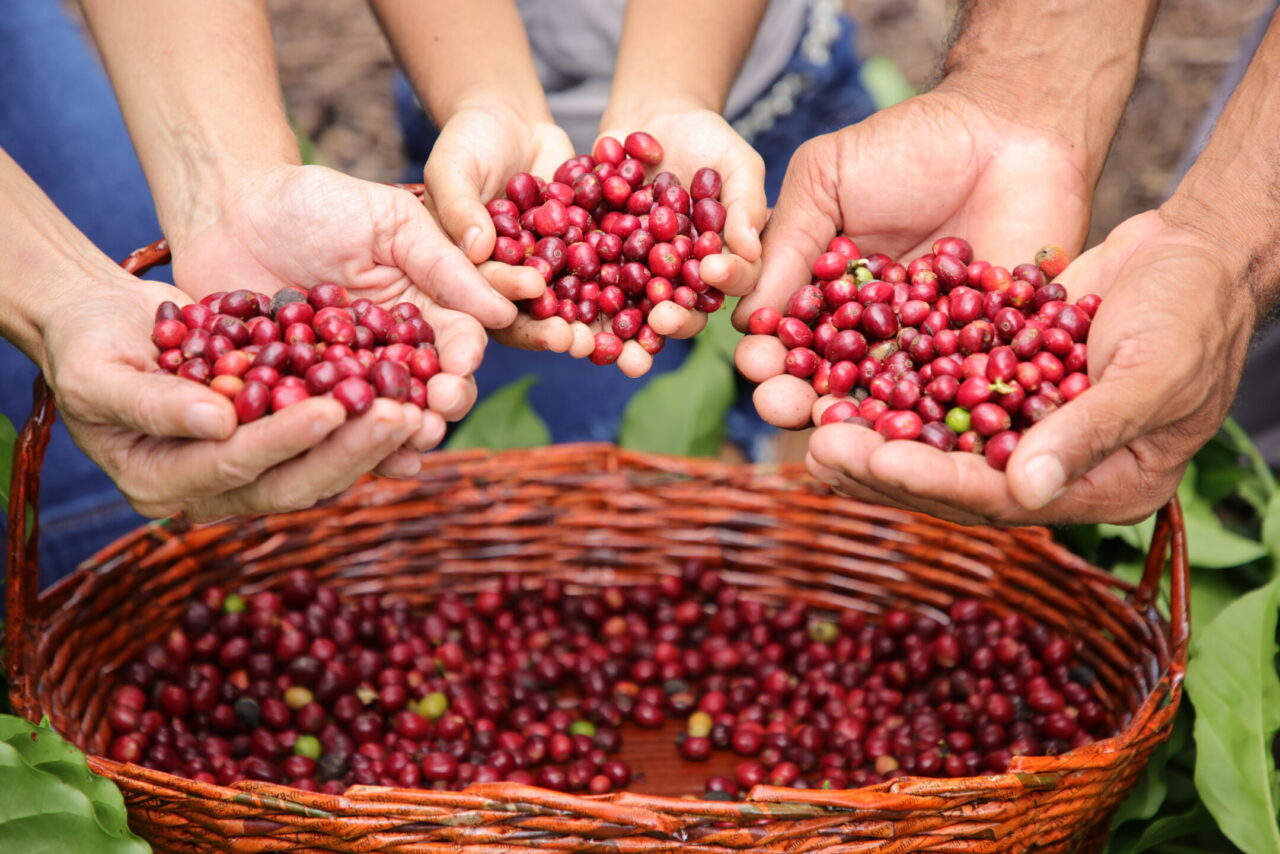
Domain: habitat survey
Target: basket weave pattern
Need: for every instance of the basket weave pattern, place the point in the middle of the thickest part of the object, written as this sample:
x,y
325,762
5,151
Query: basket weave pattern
x,y
592,514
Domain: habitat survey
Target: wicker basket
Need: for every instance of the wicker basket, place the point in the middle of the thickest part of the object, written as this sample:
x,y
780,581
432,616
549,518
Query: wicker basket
x,y
591,514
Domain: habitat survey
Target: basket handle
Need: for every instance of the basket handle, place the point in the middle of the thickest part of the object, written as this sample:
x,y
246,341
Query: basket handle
x,y
23,586
1169,537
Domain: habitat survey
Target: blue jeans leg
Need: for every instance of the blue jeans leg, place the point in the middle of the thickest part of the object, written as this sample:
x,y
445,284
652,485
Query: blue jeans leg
x,y
60,122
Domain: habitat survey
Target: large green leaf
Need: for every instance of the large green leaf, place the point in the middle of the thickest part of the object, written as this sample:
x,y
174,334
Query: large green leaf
x,y
52,803
503,420
1136,838
1148,795
1233,684
682,412
1260,486
8,437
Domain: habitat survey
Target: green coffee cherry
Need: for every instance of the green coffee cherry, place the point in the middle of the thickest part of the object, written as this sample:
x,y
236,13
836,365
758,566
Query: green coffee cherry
x,y
958,419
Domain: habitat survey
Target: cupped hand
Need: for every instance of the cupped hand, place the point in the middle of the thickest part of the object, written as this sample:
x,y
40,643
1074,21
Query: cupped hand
x,y
938,164
692,138
1166,350
303,225
173,445
477,151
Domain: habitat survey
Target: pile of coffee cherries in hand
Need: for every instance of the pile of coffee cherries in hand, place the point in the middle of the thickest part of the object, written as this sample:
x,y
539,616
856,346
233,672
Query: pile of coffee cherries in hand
x,y
956,353
611,245
267,353
536,683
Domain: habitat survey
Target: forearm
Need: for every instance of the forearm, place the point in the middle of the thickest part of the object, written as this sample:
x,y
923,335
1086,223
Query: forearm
x,y
1061,65
42,258
1230,195
674,51
197,83
458,55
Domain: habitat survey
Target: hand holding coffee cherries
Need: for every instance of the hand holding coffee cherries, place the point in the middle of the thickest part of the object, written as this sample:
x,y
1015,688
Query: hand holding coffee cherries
x,y
623,257
695,139
934,165
299,226
948,350
1166,349
172,445
478,150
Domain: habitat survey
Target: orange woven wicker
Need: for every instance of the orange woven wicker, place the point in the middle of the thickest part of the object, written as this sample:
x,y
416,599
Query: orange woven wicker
x,y
592,514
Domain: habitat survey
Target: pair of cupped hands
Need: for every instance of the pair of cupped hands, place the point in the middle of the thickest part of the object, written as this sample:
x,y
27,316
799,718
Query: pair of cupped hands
x,y
1165,346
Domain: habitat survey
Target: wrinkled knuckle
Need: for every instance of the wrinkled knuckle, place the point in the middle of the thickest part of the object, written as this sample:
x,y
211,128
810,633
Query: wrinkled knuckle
x,y
293,499
74,389
232,472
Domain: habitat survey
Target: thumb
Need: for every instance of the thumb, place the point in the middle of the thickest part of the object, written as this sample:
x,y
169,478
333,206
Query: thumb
x,y
148,403
440,270
1078,436
455,196
803,223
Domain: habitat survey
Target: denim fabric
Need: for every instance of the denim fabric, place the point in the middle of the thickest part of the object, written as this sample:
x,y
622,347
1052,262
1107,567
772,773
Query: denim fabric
x,y
580,401
60,122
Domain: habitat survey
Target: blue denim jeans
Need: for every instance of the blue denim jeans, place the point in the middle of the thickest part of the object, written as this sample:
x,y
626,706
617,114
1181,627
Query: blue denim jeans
x,y
581,402
60,122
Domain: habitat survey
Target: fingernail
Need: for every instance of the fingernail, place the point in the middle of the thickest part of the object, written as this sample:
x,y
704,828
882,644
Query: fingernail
x,y
206,420
383,429
1047,480
469,238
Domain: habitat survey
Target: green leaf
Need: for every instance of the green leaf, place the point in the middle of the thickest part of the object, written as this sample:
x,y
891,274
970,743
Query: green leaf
x,y
1136,838
884,81
8,439
52,802
503,420
1138,536
1210,593
1235,436
1210,544
1233,685
1146,798
1271,529
682,412
720,333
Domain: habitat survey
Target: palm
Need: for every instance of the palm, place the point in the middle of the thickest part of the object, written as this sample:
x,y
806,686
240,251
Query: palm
x,y
301,226
479,150
931,166
1165,353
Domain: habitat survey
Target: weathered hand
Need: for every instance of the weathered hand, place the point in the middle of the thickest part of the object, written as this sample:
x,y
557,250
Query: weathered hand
x,y
172,445
303,225
1166,350
937,164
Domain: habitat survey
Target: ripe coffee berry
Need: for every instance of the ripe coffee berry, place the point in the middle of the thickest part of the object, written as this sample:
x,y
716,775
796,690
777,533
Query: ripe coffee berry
x,y
954,352
303,345
610,246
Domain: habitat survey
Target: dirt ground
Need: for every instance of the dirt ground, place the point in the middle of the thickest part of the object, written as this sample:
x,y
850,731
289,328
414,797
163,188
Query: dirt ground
x,y
336,72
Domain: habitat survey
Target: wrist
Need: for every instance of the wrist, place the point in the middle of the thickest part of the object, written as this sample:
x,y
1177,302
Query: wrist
x,y
1073,86
1240,231
527,107
210,189
627,113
